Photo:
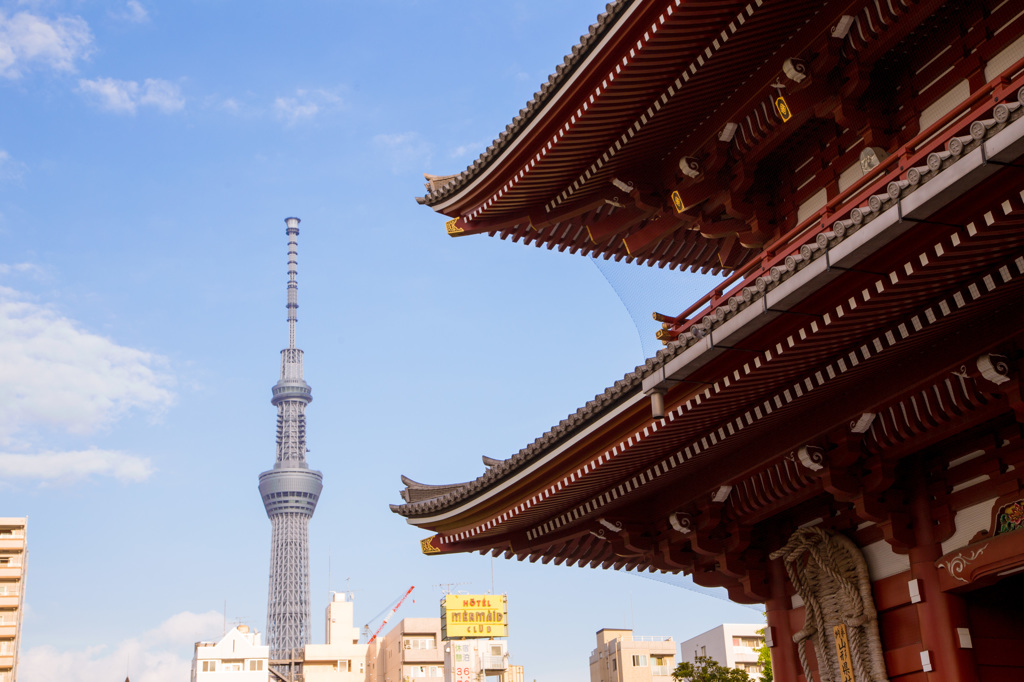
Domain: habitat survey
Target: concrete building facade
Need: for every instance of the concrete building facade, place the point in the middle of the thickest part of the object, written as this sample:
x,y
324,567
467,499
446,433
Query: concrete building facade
x,y
13,555
410,651
341,658
734,645
239,656
621,656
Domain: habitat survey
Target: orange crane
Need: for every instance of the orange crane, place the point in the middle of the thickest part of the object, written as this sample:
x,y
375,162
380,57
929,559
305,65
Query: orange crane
x,y
390,613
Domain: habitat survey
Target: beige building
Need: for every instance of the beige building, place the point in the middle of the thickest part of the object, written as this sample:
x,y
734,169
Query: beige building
x,y
621,656
342,658
410,652
238,656
734,645
13,555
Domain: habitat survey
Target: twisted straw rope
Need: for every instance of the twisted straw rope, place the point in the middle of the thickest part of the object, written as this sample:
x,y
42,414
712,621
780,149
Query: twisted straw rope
x,y
834,585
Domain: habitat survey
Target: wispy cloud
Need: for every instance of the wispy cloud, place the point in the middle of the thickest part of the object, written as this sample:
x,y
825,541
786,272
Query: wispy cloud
x,y
406,151
306,104
125,97
56,375
20,269
10,169
74,466
474,148
155,656
133,12
293,110
29,41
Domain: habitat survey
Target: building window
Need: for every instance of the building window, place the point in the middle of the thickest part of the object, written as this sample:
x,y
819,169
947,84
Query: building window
x,y
209,666
749,642
420,643
256,665
703,651
615,663
639,661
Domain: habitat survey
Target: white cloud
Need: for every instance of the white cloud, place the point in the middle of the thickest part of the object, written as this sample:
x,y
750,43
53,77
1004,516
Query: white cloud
x,y
20,268
306,104
55,375
293,111
73,466
134,12
471,148
407,151
124,97
10,169
163,654
28,40
163,95
113,95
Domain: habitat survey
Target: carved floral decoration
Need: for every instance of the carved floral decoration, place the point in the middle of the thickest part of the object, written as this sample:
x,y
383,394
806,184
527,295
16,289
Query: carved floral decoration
x,y
957,564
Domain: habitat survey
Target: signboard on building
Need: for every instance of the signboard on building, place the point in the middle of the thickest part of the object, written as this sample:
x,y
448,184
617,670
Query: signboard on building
x,y
466,616
460,664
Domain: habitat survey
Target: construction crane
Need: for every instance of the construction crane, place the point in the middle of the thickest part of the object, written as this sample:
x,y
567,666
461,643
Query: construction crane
x,y
390,613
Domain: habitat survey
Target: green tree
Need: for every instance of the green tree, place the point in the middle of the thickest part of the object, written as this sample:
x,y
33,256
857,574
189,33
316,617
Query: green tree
x,y
707,669
764,659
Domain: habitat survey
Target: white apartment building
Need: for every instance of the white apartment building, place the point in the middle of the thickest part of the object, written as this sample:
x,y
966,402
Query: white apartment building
x,y
342,658
621,656
13,555
238,657
734,645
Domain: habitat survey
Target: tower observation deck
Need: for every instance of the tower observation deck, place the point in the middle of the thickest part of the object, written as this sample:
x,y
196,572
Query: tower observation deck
x,y
290,490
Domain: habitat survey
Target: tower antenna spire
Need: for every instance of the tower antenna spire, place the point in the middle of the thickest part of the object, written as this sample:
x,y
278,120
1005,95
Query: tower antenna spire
x,y
293,271
290,490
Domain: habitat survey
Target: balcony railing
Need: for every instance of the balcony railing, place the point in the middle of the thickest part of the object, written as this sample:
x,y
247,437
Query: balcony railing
x,y
664,670
493,662
915,152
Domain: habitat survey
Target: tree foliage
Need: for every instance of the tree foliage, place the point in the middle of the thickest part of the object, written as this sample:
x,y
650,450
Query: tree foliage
x,y
764,659
707,669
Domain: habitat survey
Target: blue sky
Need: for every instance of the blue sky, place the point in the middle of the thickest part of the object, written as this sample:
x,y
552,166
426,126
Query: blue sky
x,y
149,153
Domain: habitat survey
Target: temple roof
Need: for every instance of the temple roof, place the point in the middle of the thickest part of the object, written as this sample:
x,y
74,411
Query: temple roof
x,y
574,169
746,294
440,187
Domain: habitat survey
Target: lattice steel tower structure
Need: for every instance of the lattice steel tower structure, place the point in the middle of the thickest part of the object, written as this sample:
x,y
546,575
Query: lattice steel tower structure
x,y
290,490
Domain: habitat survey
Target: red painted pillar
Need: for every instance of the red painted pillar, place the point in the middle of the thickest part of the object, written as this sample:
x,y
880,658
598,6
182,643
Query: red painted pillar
x,y
939,613
785,664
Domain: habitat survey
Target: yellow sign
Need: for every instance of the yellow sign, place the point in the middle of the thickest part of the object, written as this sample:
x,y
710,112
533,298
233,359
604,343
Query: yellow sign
x,y
843,653
677,202
474,615
427,545
451,227
783,108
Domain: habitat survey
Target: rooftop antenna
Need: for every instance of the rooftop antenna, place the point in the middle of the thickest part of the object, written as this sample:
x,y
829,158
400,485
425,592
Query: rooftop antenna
x,y
447,587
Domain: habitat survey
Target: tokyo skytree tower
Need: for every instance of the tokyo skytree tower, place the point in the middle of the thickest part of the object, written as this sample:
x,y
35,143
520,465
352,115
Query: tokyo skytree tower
x,y
290,490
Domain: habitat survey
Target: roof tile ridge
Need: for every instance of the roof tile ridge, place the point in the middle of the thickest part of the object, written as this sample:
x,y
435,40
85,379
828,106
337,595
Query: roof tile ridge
x,y
605,20
564,429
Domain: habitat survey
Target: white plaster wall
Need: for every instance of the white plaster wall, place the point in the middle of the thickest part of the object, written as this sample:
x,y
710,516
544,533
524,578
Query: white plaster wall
x,y
940,107
1004,59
